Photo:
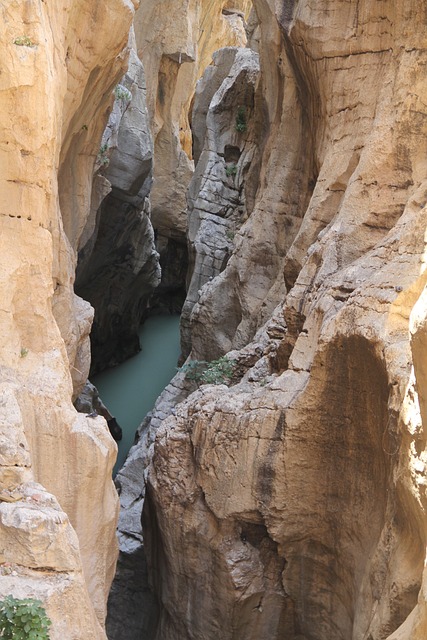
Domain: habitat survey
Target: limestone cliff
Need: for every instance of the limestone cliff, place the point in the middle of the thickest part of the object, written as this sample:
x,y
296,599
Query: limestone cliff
x,y
290,503
176,40
59,67
119,269
300,490
220,193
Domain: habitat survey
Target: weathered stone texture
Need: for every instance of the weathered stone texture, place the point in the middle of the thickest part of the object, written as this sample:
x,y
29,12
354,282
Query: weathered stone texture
x,y
217,195
58,69
176,40
293,503
118,265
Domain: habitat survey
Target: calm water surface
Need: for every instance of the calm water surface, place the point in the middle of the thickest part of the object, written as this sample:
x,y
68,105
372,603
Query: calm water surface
x,y
131,389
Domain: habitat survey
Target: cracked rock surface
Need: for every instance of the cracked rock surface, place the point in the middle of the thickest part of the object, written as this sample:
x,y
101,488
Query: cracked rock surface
x,y
292,503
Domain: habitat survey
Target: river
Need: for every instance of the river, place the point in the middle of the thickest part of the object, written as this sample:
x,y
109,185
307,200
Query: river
x,y
131,389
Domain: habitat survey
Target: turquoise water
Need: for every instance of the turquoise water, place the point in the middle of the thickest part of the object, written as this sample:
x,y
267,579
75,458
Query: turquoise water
x,y
130,390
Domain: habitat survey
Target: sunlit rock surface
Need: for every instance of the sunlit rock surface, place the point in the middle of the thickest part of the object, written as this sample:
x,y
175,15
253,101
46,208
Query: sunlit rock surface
x,y
58,70
293,503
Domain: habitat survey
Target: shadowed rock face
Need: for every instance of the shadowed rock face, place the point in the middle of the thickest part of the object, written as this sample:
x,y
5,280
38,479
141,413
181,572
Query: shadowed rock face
x,y
225,145
118,265
120,276
176,40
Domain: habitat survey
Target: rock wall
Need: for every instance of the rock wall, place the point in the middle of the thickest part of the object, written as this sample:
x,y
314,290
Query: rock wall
x,y
58,504
291,503
220,198
118,266
119,269
175,42
300,490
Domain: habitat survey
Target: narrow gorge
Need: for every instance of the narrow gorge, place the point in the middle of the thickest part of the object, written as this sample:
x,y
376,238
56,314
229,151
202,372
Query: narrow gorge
x,y
258,167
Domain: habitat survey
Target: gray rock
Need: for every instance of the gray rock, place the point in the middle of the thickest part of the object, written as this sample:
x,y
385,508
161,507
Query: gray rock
x,y
225,146
118,263
122,273
129,138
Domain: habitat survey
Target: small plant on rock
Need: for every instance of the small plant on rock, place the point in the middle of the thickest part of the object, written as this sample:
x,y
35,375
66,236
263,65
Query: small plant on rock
x,y
24,41
102,157
231,170
241,123
215,372
121,93
24,619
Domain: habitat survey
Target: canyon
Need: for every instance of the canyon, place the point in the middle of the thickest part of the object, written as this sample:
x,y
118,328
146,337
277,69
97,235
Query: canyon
x,y
261,168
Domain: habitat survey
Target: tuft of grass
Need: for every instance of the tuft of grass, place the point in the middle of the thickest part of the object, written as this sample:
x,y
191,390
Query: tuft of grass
x,y
241,124
231,170
215,372
24,41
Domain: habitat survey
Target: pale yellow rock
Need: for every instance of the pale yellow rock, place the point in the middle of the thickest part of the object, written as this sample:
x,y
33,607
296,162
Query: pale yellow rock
x,y
40,558
38,536
59,67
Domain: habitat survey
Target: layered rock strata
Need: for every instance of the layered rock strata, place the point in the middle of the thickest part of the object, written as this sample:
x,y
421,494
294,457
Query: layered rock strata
x,y
300,490
58,504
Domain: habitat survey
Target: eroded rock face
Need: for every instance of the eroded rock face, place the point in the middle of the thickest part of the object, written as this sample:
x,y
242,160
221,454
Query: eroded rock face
x,y
225,148
41,559
176,40
118,263
122,273
300,491
57,74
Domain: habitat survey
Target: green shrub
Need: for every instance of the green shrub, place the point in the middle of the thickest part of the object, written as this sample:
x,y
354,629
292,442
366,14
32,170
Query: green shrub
x,y
231,170
215,372
24,41
121,93
23,619
102,156
241,123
